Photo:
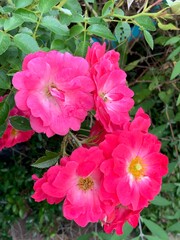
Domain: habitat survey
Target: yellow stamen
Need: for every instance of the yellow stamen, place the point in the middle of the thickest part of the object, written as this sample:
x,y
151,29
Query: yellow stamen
x,y
85,183
137,167
14,132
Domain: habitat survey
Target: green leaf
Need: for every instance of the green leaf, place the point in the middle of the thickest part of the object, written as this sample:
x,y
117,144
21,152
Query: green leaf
x,y
176,70
47,161
167,27
171,167
82,49
122,31
168,187
174,216
46,5
10,100
165,97
95,20
108,7
132,65
4,42
172,41
4,81
65,11
22,4
20,123
161,40
26,15
58,44
118,11
177,117
152,237
175,7
178,100
156,229
85,236
102,236
55,26
74,6
76,30
158,131
174,227
127,229
149,39
154,83
101,31
141,92
174,53
3,128
26,43
160,201
4,111
146,22
12,23
2,23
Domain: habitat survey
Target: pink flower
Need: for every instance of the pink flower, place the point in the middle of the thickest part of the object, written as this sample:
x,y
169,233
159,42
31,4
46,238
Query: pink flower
x,y
55,89
116,219
45,182
112,97
141,122
12,136
95,53
113,100
100,61
134,167
79,183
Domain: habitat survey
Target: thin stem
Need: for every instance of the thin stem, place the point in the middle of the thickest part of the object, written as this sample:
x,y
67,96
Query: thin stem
x,y
172,132
75,139
37,26
141,235
63,146
91,9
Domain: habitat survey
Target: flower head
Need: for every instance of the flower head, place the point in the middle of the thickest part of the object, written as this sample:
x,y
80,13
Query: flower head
x,y
134,167
112,97
55,89
116,219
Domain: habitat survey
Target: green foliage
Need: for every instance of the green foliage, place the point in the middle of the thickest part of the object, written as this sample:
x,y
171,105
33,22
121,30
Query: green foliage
x,y
149,39
101,30
156,229
153,66
4,42
50,159
26,43
20,123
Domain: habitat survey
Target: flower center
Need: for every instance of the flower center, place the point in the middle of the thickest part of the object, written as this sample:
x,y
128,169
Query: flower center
x,y
85,183
137,167
14,132
53,91
103,96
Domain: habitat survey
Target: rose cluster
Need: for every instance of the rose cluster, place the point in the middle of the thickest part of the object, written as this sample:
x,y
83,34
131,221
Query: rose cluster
x,y
120,169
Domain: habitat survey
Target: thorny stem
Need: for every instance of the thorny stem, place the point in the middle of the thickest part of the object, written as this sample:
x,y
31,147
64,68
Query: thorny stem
x,y
141,235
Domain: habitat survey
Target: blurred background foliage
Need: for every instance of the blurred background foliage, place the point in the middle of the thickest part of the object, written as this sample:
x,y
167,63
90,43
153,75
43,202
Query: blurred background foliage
x,y
147,37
